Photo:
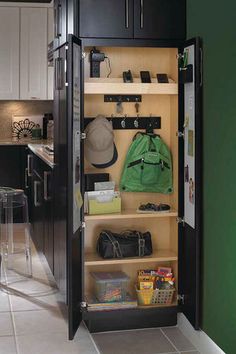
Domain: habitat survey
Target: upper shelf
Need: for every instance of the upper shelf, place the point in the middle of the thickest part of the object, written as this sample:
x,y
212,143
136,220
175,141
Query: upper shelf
x,y
116,86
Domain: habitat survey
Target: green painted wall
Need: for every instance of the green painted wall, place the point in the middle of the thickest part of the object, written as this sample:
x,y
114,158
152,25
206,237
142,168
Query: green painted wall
x,y
215,22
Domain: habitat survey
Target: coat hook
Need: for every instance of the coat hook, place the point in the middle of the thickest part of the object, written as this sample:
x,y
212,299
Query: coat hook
x,y
123,121
136,121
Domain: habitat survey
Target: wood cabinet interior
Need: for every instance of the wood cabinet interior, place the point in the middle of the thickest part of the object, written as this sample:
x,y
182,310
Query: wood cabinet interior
x,y
164,229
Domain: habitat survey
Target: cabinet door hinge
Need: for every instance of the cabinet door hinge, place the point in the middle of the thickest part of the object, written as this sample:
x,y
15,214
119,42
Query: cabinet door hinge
x,y
180,299
180,134
179,56
83,136
83,55
180,220
83,306
83,225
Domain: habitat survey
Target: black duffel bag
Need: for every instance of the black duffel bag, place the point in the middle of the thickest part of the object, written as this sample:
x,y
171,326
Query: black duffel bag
x,y
127,244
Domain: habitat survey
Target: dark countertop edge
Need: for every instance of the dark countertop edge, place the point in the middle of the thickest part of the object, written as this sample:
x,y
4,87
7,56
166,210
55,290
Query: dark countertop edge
x,y
9,141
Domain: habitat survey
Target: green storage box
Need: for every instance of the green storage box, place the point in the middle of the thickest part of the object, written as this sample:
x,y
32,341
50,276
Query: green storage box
x,y
96,207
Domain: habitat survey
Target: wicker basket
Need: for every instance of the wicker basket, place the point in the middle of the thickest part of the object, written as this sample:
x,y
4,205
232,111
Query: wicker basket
x,y
155,297
163,297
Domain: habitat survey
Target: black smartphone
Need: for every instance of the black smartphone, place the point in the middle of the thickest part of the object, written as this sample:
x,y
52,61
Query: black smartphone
x,y
127,76
162,78
145,77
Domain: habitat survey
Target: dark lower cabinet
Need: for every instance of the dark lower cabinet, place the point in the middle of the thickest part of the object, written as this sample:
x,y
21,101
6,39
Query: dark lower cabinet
x,y
12,162
159,19
37,211
42,198
14,171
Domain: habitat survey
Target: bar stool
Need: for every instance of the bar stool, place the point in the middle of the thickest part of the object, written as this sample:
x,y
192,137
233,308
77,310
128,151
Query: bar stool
x,y
13,202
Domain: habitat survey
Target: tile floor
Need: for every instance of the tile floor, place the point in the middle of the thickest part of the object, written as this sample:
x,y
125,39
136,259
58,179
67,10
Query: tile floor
x,y
33,321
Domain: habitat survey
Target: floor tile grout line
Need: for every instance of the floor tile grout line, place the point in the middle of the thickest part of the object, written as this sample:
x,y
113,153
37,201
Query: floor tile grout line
x,y
170,341
13,323
136,329
167,353
92,340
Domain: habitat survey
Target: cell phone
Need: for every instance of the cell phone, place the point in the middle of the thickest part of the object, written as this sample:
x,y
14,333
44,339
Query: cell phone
x,y
162,78
145,77
127,76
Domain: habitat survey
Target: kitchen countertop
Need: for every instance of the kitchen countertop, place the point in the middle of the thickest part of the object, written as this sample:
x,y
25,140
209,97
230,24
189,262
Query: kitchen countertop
x,y
38,150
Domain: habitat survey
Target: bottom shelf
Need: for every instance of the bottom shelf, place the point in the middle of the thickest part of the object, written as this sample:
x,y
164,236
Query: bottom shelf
x,y
130,303
92,308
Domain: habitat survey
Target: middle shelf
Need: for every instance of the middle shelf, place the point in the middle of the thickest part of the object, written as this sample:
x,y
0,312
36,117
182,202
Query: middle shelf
x,y
131,214
92,259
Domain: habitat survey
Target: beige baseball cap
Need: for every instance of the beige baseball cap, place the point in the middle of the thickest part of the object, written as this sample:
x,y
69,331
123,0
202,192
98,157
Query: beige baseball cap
x,y
99,145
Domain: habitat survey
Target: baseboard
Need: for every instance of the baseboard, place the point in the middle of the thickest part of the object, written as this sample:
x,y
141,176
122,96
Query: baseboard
x,y
200,339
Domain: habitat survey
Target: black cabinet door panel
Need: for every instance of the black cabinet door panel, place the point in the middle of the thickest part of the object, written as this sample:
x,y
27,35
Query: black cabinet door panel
x,y
159,19
106,18
60,172
75,246
68,240
190,183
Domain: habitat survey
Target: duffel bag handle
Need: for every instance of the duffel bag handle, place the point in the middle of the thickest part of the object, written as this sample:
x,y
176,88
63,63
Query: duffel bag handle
x,y
115,244
141,240
141,244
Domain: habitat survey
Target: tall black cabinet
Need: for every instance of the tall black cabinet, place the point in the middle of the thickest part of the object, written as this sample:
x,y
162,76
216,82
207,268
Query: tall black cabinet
x,y
77,97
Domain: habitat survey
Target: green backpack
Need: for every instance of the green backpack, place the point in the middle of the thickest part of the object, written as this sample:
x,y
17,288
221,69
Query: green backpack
x,y
148,166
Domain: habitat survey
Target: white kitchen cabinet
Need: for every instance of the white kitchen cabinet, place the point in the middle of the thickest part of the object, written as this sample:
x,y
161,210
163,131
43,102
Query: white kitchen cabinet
x,y
33,54
9,53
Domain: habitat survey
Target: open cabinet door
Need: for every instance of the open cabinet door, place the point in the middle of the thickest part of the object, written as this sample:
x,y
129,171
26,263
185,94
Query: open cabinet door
x,y
75,202
190,181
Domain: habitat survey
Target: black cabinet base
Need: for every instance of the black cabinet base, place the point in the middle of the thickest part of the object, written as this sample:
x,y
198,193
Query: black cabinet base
x,y
102,321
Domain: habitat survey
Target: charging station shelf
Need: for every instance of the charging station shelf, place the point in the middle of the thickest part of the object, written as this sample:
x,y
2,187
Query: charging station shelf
x,y
106,86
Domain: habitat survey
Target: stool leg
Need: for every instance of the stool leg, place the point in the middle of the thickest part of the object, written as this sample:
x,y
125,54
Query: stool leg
x,y
28,254
9,231
2,241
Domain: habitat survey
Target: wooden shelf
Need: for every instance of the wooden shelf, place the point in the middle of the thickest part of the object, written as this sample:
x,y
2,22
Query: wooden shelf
x,y
92,259
139,307
106,86
131,214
